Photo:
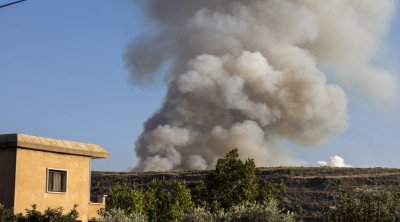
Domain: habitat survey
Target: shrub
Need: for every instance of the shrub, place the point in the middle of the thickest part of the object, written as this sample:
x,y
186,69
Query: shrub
x,y
6,214
268,191
244,212
56,214
266,212
49,215
119,215
364,205
199,214
160,202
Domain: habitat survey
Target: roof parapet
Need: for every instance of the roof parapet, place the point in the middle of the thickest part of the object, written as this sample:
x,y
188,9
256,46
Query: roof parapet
x,y
26,141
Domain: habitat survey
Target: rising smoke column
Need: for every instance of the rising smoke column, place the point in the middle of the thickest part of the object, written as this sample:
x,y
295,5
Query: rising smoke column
x,y
247,74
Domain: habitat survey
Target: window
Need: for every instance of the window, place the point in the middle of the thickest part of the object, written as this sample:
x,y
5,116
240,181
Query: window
x,y
56,181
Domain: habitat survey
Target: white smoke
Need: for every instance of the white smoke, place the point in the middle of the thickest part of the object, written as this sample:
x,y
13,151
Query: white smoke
x,y
335,161
247,74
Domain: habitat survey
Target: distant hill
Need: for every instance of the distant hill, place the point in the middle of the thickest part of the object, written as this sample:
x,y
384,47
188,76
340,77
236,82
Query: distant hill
x,y
307,189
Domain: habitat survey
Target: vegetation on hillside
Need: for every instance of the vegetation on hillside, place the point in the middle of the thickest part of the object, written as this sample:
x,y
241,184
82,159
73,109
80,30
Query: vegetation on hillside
x,y
365,205
230,193
238,191
309,192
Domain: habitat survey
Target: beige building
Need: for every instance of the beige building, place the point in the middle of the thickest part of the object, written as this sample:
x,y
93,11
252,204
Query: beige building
x,y
47,172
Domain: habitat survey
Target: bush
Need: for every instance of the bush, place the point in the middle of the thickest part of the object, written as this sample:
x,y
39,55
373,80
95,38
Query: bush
x,y
266,212
268,191
364,205
6,214
33,215
119,215
199,214
160,202
255,212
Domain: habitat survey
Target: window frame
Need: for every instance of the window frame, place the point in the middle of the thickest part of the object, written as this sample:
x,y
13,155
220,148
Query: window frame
x,y
48,178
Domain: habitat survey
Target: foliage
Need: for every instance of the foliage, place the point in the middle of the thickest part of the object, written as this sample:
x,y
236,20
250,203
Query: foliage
x,y
234,182
199,193
121,196
244,212
250,211
49,215
230,193
6,214
163,203
268,191
33,215
364,205
120,215
160,202
199,214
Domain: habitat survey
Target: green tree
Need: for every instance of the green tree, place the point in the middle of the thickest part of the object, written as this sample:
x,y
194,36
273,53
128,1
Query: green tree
x,y
232,182
168,203
121,196
182,201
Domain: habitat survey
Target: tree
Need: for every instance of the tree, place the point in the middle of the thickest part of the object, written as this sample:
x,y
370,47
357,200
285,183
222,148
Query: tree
x,y
232,182
167,203
121,196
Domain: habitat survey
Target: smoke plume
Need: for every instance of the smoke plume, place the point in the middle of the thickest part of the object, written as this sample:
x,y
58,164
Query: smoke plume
x,y
253,73
335,161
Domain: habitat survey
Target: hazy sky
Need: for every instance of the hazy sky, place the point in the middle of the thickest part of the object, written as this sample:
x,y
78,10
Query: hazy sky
x,y
63,76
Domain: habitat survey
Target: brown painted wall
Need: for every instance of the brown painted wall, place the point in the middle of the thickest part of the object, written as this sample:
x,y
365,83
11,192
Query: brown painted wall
x,y
31,181
7,176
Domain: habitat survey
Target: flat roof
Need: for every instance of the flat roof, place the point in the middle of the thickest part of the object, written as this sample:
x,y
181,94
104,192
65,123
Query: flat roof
x,y
24,141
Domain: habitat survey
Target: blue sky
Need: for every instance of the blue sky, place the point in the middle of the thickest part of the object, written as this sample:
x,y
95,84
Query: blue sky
x,y
62,75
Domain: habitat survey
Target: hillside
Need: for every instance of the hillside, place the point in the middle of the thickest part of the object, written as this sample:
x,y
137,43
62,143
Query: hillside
x,y
307,189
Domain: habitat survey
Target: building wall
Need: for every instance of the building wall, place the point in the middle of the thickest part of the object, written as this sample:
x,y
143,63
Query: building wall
x,y
31,181
7,176
94,209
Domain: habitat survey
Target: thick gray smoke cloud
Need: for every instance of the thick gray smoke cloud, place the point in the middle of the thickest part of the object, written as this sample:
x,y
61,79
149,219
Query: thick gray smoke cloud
x,y
247,74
